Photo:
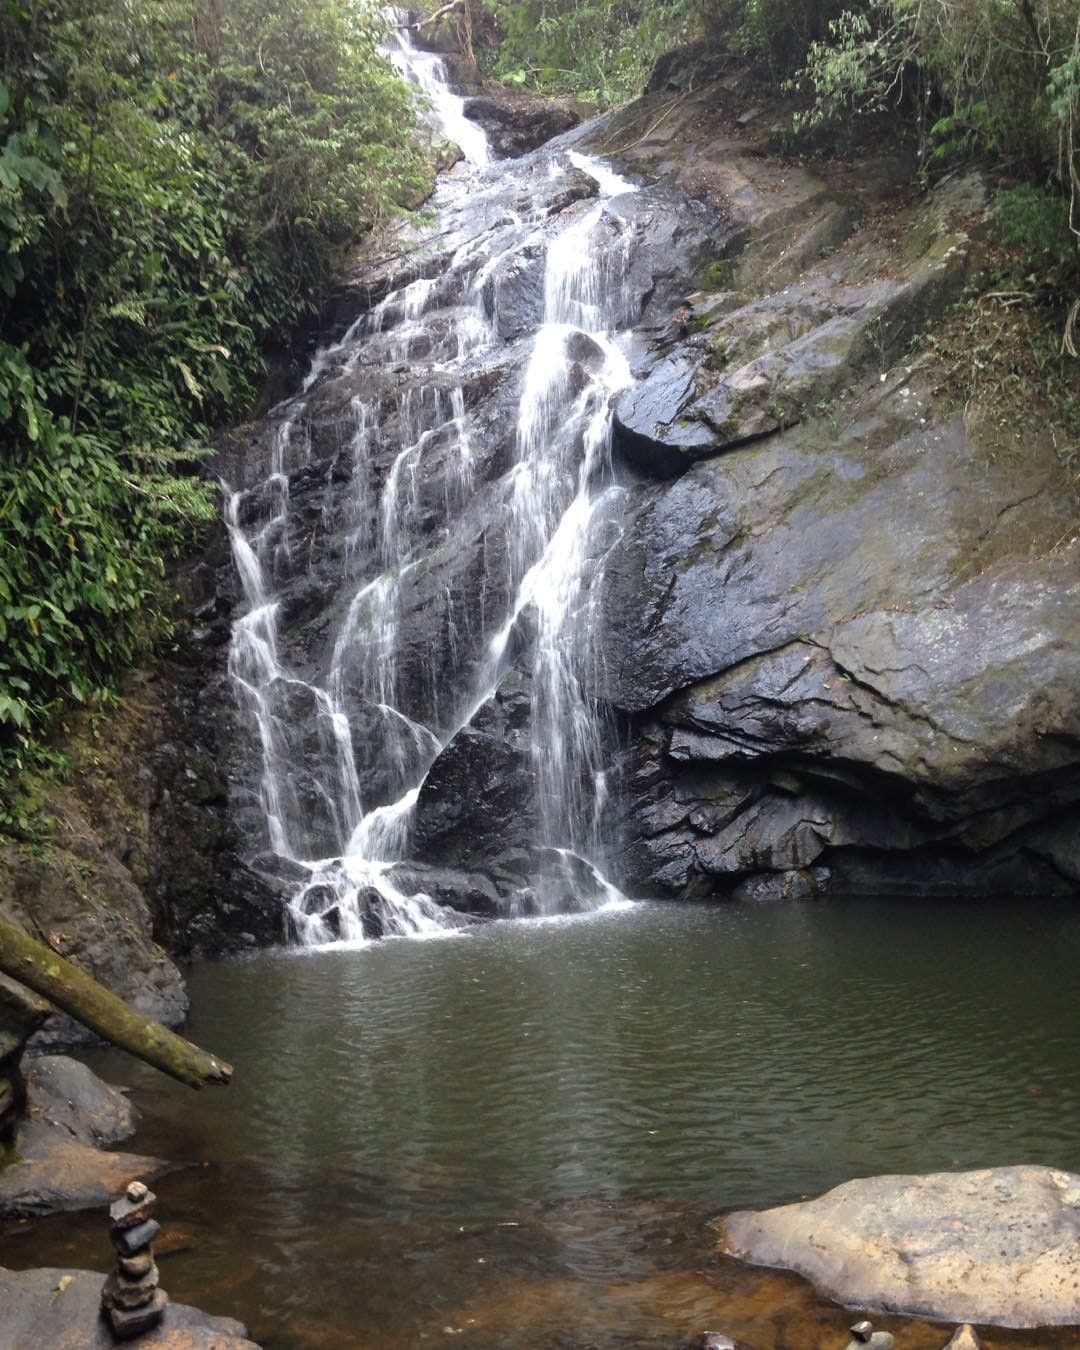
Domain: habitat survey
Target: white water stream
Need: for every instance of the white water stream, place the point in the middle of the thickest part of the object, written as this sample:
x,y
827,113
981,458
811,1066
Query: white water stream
x,y
558,481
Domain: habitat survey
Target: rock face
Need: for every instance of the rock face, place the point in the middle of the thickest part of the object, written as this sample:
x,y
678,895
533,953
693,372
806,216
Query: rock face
x,y
842,625
21,1013
61,1309
379,426
144,860
837,620
998,1246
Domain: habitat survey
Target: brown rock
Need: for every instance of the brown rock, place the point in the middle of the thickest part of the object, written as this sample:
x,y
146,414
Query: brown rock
x,y
1000,1245
134,1207
964,1338
61,1174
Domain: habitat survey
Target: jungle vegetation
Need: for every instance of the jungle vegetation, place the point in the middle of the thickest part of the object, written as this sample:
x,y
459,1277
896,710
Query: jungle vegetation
x,y
177,182
179,179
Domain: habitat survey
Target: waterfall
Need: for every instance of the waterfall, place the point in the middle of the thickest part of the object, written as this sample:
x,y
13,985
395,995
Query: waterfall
x,y
343,752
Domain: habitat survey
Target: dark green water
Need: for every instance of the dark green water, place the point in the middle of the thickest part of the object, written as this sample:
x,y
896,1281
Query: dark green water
x,y
536,1115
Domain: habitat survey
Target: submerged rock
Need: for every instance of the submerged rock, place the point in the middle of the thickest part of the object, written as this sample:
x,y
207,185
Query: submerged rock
x,y
999,1246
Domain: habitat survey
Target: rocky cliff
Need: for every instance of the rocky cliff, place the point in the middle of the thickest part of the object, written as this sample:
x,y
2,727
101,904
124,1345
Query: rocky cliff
x,y
842,622
835,614
838,631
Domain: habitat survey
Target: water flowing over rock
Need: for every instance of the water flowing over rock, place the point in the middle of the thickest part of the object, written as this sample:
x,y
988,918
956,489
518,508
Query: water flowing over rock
x,y
613,539
416,536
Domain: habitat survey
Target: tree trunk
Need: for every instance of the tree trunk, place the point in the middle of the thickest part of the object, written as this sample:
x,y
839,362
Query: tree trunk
x,y
76,993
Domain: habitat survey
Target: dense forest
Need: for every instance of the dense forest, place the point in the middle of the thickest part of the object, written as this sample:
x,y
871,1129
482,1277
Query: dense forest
x,y
179,182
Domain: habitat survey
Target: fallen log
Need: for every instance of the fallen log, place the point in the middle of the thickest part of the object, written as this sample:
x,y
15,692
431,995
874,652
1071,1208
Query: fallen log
x,y
440,13
78,994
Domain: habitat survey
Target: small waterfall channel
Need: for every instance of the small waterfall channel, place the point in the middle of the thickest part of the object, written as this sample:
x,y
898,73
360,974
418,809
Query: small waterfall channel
x,y
347,736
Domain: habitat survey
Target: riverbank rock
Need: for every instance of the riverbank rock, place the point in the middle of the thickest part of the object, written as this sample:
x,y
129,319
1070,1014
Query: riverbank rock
x,y
999,1246
21,1013
59,1159
143,859
61,1309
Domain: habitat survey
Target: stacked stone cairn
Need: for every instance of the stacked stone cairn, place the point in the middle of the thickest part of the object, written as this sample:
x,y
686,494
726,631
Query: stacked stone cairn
x,y
131,1300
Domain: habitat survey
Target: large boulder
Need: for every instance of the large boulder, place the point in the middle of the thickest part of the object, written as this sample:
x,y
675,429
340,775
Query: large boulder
x,y
59,1161
999,1246
516,123
61,1309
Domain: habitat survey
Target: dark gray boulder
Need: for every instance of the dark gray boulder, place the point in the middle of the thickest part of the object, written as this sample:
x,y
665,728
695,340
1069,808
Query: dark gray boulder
x,y
517,122
59,1160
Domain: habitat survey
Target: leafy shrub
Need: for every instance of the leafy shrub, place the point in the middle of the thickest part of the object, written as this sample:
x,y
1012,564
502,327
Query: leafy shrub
x,y
602,50
177,181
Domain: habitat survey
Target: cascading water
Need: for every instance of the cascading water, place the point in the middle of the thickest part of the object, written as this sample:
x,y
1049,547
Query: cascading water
x,y
343,751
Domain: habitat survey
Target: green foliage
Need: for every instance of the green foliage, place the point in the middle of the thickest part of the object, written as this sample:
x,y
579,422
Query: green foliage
x,y
1031,220
601,50
774,34
997,78
177,181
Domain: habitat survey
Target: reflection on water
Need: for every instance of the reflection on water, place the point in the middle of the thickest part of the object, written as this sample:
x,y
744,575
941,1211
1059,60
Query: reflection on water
x,y
515,1138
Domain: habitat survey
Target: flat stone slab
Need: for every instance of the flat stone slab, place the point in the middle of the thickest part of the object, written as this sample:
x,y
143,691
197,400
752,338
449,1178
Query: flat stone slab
x,y
998,1246
61,1309
65,1175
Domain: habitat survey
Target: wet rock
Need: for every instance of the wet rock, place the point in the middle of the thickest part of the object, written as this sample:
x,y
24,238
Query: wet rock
x,y
67,1176
60,1165
469,892
514,294
998,1246
130,1241
766,887
776,362
65,1095
964,1338
61,1309
85,900
855,658
475,800
863,1333
717,1340
21,1013
516,123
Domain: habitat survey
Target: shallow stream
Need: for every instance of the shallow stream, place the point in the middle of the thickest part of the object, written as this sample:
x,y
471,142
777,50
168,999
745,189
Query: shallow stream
x,y
515,1137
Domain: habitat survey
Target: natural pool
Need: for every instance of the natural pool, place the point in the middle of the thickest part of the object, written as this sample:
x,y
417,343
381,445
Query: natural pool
x,y
514,1138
